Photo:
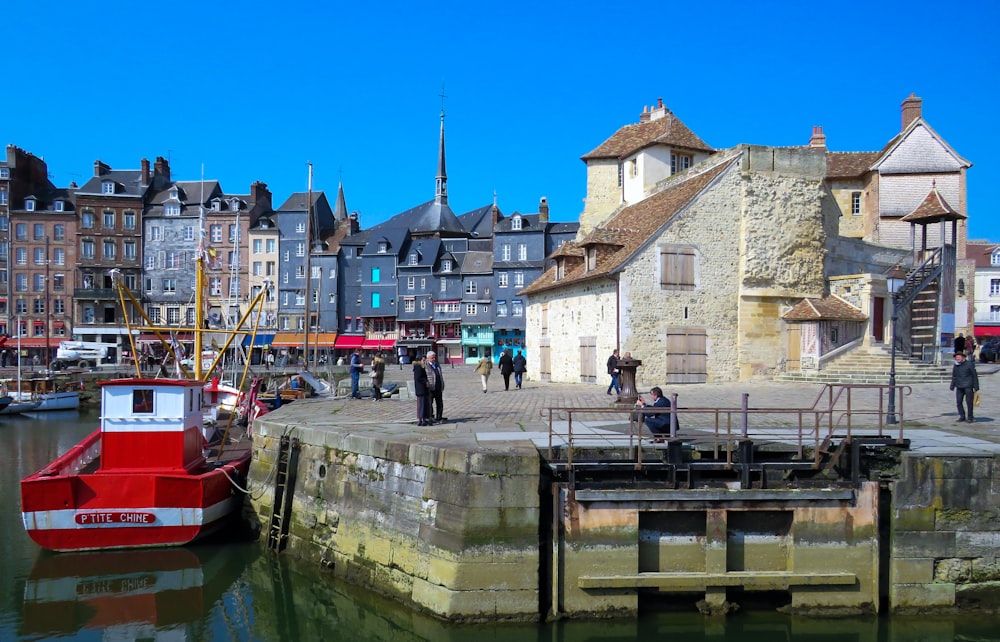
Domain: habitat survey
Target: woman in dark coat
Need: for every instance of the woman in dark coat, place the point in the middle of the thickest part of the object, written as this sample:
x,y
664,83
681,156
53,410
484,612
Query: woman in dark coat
x,y
506,368
421,391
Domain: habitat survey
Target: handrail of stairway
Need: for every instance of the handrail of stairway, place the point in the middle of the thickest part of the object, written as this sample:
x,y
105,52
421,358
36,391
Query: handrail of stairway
x,y
919,278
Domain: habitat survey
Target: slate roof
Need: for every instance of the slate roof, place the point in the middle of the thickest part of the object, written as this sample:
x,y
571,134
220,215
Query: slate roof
x,y
477,263
933,209
831,308
479,222
395,237
129,181
627,232
428,218
667,130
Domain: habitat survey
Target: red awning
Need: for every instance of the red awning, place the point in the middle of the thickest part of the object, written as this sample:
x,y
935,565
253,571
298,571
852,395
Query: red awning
x,y
987,331
34,342
349,341
58,324
378,344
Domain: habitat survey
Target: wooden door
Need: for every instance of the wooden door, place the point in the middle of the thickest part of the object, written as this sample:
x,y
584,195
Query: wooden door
x,y
588,359
878,319
793,348
687,355
544,360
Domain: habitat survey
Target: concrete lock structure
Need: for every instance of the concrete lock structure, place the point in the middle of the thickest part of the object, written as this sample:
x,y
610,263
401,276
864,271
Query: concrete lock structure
x,y
489,522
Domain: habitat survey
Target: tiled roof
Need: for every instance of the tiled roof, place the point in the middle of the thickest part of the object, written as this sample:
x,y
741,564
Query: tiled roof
x,y
849,164
982,253
831,308
933,209
668,130
626,232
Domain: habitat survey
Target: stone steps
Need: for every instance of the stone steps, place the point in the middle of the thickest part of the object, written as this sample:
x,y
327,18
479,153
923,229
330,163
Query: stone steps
x,y
871,365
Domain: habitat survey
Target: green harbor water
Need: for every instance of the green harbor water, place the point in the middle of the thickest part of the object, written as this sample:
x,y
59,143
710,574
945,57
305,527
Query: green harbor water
x,y
243,592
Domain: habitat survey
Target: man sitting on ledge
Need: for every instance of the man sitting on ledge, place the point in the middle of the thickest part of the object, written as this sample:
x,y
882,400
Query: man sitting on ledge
x,y
659,422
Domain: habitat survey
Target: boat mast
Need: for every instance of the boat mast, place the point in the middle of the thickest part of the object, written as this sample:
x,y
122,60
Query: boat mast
x,y
45,359
199,280
305,335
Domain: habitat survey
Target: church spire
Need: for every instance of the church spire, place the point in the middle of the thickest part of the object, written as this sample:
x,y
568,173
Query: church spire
x,y
441,189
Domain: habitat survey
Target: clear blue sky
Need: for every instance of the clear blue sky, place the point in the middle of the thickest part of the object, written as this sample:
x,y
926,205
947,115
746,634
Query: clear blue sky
x,y
253,91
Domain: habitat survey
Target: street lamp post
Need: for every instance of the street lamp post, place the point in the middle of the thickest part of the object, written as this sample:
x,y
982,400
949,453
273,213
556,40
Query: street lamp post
x,y
894,282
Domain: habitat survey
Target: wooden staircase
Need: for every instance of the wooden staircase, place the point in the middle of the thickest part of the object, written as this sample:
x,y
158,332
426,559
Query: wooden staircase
x,y
871,364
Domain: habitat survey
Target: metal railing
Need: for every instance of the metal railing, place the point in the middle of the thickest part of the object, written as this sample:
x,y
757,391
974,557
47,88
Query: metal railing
x,y
839,410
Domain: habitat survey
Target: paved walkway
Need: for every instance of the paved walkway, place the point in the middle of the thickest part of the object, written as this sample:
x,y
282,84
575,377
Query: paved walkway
x,y
928,410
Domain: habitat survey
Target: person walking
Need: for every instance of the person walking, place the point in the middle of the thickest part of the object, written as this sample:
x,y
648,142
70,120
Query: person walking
x,y
378,375
520,366
484,369
356,369
435,387
421,390
613,371
965,383
506,364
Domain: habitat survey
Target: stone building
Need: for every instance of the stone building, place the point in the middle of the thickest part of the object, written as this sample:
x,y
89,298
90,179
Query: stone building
x,y
692,268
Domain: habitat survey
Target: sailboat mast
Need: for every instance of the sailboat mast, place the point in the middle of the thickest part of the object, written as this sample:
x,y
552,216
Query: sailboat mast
x,y
46,360
309,199
199,281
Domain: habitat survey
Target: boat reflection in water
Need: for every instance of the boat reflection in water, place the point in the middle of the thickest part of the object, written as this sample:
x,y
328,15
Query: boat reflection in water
x,y
130,594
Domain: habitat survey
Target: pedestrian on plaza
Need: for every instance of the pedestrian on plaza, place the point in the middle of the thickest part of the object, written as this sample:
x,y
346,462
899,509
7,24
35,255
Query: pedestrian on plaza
x,y
965,383
435,386
506,368
520,366
356,369
269,360
378,375
613,371
970,349
484,369
421,390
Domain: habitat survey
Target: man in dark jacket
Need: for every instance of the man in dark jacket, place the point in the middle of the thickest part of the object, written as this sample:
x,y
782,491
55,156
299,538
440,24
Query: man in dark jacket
x,y
658,423
520,367
965,383
421,391
506,364
613,371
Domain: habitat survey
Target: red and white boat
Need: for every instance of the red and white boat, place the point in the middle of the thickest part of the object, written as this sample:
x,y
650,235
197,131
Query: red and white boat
x,y
144,478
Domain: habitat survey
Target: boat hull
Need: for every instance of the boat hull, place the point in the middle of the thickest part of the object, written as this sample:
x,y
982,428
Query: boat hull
x,y
66,508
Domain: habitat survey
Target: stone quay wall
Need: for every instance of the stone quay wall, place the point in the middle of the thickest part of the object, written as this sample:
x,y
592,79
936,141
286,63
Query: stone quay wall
x,y
946,535
447,527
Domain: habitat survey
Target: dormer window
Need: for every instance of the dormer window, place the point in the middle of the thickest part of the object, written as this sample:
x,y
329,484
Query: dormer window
x,y
413,258
515,223
560,269
173,193
107,187
172,209
234,205
4,172
679,163
995,257
446,265
216,205
383,247
591,258
29,204
60,206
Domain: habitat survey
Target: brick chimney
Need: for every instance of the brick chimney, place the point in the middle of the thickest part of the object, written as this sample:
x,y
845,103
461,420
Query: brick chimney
x,y
818,138
100,169
911,110
543,211
161,168
144,164
494,214
260,195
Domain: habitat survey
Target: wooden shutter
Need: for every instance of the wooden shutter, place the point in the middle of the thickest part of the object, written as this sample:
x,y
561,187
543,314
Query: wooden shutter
x,y
677,268
687,355
588,359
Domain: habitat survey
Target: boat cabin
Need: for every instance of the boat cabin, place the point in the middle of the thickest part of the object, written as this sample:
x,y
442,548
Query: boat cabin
x,y
152,424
